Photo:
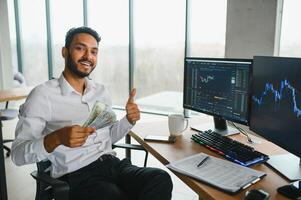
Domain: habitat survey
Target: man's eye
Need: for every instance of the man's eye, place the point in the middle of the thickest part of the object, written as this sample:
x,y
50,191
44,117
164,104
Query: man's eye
x,y
79,48
95,52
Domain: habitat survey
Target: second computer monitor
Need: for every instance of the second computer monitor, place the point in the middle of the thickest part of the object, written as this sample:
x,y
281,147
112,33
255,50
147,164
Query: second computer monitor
x,y
218,87
276,109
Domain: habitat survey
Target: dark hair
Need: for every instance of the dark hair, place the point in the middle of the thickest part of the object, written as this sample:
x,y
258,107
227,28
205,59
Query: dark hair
x,y
83,29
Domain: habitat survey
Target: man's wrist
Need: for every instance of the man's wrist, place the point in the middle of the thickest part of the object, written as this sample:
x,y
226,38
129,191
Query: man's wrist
x,y
130,121
51,141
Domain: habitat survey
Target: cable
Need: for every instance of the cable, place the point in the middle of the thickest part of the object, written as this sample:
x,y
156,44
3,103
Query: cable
x,y
243,132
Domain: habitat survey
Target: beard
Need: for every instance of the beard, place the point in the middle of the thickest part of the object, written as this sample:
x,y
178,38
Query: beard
x,y
71,65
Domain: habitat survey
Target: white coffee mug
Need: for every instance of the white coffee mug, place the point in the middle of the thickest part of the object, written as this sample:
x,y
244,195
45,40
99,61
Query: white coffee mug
x,y
176,124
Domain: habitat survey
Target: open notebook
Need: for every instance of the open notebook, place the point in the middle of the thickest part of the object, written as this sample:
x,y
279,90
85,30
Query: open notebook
x,y
217,172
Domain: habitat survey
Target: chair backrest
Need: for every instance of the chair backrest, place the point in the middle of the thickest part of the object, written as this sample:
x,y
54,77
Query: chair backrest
x,y
19,79
8,114
44,191
43,166
49,188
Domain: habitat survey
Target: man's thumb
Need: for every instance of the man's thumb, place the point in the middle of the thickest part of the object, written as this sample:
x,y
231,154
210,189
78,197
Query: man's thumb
x,y
132,96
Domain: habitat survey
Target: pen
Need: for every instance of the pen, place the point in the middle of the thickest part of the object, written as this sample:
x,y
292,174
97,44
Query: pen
x,y
203,161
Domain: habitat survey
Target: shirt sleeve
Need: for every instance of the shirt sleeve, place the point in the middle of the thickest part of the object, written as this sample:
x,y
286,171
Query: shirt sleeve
x,y
28,146
120,129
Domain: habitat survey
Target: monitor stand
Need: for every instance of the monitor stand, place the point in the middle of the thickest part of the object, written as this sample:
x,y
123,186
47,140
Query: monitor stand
x,y
287,164
219,126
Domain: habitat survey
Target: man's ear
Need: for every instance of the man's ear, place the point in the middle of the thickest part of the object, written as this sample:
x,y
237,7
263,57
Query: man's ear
x,y
64,52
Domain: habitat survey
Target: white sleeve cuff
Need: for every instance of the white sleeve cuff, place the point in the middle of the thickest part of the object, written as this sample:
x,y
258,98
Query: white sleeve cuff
x,y
39,148
126,124
120,129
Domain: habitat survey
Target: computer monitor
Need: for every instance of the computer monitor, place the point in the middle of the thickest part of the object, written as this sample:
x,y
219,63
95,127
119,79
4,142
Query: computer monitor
x,y
218,87
276,109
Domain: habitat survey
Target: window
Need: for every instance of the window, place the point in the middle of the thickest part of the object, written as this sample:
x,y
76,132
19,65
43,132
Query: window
x,y
110,20
207,28
159,34
33,35
158,44
290,41
64,15
12,31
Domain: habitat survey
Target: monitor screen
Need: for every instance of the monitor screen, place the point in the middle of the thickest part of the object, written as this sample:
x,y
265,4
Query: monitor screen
x,y
218,87
276,101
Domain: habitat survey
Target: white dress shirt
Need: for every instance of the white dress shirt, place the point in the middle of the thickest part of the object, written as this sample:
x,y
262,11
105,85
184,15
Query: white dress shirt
x,y
53,105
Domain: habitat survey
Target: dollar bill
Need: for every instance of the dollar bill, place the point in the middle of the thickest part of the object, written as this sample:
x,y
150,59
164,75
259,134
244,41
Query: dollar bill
x,y
101,116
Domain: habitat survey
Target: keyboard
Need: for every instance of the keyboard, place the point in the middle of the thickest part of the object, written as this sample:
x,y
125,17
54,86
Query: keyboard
x,y
230,149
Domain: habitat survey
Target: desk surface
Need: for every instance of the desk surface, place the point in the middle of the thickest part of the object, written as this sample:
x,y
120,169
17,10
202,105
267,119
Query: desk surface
x,y
184,147
14,94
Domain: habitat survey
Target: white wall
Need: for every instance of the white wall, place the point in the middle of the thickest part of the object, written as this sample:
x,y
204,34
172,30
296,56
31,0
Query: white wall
x,y
251,27
6,70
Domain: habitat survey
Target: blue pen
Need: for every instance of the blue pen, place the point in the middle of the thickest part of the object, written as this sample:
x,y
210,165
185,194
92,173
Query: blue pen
x,y
203,161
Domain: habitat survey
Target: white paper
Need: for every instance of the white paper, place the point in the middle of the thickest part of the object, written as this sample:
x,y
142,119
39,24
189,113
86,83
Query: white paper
x,y
217,172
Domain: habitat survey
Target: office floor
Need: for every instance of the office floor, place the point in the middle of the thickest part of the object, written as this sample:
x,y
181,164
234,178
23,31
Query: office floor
x,y
21,186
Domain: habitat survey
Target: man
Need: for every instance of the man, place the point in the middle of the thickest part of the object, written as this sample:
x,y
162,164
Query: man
x,y
49,127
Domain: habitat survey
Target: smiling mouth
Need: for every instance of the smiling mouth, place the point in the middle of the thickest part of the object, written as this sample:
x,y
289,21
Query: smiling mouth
x,y
86,63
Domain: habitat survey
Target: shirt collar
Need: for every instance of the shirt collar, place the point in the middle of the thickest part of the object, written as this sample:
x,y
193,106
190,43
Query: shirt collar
x,y
66,88
90,84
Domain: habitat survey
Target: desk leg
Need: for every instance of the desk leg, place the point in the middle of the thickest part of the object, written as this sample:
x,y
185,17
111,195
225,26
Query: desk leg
x,y
3,190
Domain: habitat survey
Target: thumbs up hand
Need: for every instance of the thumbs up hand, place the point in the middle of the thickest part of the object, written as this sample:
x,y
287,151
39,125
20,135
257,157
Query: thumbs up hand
x,y
132,111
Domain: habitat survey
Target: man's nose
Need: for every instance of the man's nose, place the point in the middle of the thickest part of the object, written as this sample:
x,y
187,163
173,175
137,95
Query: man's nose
x,y
88,55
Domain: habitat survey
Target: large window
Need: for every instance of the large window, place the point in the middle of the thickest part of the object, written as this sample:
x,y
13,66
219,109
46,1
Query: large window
x,y
159,39
207,28
12,31
64,15
110,20
33,26
290,42
158,43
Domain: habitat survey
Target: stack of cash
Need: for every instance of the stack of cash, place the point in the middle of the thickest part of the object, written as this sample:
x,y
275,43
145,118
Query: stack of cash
x,y
101,116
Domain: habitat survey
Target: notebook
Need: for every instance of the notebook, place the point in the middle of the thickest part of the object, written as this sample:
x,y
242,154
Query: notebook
x,y
217,172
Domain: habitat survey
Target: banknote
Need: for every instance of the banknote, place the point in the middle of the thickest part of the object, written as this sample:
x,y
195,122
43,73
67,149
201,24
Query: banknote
x,y
101,116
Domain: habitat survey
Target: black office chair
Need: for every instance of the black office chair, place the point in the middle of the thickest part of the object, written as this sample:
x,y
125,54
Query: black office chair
x,y
52,188
47,187
7,114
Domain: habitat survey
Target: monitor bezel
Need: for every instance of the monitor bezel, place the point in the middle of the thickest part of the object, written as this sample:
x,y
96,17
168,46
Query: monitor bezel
x,y
227,60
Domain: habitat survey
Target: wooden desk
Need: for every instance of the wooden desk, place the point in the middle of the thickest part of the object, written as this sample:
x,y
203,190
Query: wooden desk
x,y
14,94
184,147
8,95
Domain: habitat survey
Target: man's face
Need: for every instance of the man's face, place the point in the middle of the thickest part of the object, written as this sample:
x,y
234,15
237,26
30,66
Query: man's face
x,y
81,57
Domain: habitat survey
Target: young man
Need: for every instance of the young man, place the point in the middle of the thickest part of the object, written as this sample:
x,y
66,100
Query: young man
x,y
49,127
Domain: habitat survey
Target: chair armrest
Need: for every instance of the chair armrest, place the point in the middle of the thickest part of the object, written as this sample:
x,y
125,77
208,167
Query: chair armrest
x,y
129,146
134,147
60,188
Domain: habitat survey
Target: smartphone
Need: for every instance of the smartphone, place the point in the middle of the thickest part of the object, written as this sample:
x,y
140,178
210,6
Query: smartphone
x,y
160,138
292,191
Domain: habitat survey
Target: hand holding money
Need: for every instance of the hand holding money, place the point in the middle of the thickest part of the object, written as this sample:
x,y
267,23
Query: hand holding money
x,y
74,136
132,111
69,136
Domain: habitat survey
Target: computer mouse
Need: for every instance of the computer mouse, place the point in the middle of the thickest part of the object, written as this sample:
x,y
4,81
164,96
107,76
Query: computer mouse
x,y
257,194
